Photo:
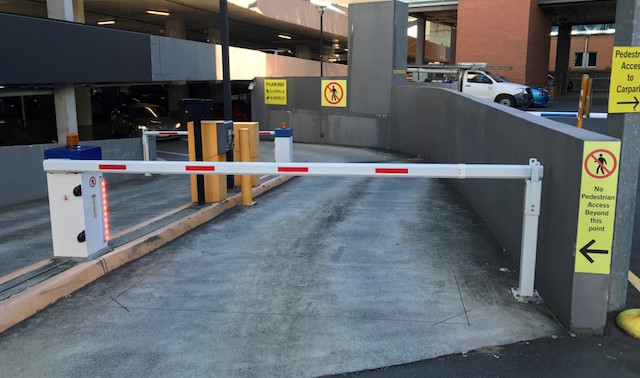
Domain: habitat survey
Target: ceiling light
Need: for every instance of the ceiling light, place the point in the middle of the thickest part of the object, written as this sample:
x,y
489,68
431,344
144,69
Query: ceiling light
x,y
158,13
284,36
106,22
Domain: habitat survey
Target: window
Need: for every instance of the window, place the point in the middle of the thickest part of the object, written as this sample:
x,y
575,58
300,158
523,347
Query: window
x,y
590,62
476,77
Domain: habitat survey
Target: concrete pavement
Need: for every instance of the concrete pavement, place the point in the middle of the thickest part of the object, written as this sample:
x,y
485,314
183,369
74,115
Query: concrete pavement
x,y
323,276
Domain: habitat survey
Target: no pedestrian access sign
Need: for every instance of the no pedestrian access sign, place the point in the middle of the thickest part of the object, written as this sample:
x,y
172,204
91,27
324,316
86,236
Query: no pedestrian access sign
x,y
334,93
597,209
624,92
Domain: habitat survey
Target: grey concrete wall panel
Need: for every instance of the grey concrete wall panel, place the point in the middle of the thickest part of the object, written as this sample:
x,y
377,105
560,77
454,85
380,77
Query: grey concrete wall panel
x,y
71,53
589,291
400,42
180,60
371,37
445,126
308,91
356,131
27,181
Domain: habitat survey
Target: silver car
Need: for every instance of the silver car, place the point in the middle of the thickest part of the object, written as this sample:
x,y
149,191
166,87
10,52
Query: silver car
x,y
131,120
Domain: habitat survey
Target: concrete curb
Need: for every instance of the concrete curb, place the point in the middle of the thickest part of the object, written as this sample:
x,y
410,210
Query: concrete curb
x,y
23,305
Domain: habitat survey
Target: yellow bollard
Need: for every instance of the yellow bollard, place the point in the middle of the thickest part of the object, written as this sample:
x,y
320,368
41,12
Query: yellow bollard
x,y
587,105
583,99
245,185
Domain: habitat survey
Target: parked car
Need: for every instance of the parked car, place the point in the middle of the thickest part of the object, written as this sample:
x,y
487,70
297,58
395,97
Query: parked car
x,y
130,120
540,96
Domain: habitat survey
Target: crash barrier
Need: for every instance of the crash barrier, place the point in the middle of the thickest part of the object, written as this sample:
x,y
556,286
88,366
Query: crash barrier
x,y
145,139
63,175
283,142
567,115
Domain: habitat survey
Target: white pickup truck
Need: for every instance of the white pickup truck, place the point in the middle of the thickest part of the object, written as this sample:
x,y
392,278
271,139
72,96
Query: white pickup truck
x,y
476,82
494,88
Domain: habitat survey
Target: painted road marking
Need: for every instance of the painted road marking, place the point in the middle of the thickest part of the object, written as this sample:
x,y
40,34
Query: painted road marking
x,y
334,93
624,89
634,280
598,191
172,153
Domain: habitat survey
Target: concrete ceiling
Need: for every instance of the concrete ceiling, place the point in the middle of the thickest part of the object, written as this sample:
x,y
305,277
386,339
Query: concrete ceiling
x,y
247,28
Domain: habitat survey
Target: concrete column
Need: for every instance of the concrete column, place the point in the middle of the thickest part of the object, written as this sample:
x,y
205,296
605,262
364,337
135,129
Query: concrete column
x,y
452,45
562,59
83,111
420,38
175,93
303,51
627,126
64,96
175,29
60,9
377,54
78,11
213,36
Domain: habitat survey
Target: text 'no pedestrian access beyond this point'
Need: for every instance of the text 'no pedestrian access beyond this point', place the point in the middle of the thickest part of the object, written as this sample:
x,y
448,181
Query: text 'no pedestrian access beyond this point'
x,y
598,191
275,92
334,93
624,91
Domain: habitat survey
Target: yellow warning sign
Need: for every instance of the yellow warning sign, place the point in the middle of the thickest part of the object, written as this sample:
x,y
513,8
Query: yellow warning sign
x,y
334,93
598,191
275,92
624,91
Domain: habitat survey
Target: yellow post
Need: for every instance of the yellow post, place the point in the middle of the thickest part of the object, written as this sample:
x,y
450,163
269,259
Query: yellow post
x,y
244,157
583,99
587,105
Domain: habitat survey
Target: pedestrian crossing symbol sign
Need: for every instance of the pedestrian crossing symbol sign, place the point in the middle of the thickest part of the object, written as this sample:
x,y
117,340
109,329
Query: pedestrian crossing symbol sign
x,y
334,93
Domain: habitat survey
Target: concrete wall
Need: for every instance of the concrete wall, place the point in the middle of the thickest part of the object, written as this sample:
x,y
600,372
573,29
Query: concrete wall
x,y
377,48
27,181
313,123
445,126
449,127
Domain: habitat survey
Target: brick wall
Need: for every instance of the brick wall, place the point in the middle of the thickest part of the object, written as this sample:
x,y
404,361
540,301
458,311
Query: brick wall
x,y
505,33
602,44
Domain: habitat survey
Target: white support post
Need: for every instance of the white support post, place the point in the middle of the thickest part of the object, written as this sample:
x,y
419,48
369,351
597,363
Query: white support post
x,y
145,146
533,192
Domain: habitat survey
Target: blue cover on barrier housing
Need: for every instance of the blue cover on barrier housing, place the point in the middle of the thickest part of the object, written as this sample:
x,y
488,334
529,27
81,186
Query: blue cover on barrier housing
x,y
288,132
74,153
